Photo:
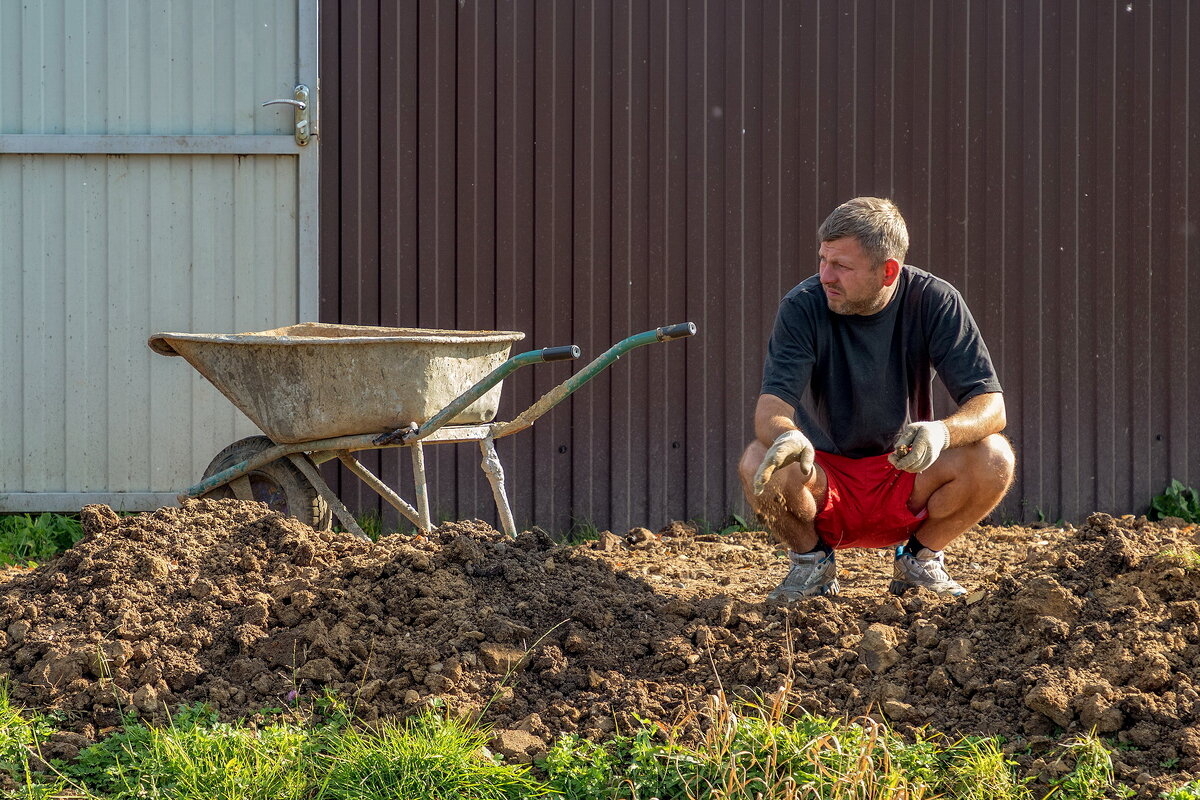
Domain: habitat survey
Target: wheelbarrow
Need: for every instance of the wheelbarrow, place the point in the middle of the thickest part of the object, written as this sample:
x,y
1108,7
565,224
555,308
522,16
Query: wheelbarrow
x,y
321,391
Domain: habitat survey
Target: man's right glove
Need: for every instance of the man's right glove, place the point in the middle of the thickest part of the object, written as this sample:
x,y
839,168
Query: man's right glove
x,y
789,447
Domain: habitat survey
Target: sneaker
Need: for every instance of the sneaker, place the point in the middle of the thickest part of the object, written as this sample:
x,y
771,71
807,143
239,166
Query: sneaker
x,y
810,574
926,569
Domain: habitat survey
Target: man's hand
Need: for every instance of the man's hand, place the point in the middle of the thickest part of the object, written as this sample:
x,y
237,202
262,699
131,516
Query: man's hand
x,y
919,445
789,447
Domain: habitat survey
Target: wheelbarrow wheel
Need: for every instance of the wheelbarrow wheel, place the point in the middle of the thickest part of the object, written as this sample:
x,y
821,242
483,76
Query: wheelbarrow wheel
x,y
278,484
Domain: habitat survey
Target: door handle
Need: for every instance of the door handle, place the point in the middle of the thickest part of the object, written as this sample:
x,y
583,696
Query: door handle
x,y
299,104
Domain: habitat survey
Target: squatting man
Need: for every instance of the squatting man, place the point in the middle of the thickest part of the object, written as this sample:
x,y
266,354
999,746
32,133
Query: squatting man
x,y
847,452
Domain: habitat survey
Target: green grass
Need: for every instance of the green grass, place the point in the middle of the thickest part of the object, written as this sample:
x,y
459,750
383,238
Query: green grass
x,y
1091,778
197,757
752,753
374,526
813,757
20,737
425,756
28,540
749,752
1189,559
1189,791
977,769
580,531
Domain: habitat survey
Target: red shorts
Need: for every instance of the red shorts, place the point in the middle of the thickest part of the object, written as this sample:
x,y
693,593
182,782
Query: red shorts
x,y
866,504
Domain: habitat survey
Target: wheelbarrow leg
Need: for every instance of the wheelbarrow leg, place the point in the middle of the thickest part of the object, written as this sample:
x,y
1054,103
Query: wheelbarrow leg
x,y
339,508
495,474
421,486
241,488
381,488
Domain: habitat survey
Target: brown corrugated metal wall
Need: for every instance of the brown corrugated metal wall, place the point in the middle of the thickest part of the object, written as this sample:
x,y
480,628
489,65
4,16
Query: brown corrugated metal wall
x,y
581,171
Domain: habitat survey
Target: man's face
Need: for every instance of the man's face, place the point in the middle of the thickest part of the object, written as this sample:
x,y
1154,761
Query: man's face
x,y
852,283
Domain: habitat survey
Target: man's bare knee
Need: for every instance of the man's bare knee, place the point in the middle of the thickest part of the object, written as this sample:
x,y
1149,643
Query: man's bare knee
x,y
988,470
751,459
999,461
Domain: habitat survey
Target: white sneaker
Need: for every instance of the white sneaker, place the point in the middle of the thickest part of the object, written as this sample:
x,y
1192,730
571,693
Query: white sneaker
x,y
926,569
810,574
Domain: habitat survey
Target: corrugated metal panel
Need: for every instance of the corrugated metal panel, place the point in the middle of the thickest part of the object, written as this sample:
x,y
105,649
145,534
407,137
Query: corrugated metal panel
x,y
99,251
514,206
585,170
145,67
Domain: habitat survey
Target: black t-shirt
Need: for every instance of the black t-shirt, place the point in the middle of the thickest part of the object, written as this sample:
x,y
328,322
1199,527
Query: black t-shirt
x,y
869,376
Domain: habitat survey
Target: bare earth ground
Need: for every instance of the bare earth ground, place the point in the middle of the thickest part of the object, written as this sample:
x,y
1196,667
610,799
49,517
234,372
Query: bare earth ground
x,y
227,603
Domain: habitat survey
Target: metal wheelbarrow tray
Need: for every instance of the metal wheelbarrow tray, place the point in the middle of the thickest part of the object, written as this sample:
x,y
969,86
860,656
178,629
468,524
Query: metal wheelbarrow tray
x,y
322,391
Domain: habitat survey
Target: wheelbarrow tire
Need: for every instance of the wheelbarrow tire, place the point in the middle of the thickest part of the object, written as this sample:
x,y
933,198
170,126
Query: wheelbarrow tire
x,y
279,483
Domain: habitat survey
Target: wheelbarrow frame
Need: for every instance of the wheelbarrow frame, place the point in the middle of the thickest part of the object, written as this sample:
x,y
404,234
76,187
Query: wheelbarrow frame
x,y
434,430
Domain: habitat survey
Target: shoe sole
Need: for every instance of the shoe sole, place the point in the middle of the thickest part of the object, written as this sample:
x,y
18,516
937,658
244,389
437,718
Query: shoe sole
x,y
898,587
828,590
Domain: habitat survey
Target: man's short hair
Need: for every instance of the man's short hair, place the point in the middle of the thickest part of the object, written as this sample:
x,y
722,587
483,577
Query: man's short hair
x,y
875,222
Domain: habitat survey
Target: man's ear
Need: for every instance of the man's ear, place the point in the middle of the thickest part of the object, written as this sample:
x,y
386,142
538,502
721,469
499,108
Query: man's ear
x,y
891,271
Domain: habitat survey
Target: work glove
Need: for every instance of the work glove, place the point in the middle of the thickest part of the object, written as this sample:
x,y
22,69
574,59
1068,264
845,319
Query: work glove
x,y
789,447
919,445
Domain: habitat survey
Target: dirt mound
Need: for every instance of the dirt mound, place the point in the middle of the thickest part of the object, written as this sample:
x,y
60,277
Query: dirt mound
x,y
227,603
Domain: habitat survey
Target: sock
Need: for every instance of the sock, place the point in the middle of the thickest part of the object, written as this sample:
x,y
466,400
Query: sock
x,y
821,547
914,546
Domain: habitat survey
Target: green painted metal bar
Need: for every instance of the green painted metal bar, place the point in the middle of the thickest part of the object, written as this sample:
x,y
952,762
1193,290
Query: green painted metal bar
x,y
238,470
601,363
358,442
458,404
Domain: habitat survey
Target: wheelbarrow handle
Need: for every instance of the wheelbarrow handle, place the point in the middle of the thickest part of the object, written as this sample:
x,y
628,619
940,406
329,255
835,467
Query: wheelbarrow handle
x,y
566,353
669,332
559,393
459,404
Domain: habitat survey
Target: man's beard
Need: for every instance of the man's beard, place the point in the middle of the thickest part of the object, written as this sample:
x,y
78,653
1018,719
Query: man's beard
x,y
856,307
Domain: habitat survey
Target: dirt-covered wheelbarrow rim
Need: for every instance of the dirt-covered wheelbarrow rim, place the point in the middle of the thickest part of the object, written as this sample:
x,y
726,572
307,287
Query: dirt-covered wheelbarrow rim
x,y
324,333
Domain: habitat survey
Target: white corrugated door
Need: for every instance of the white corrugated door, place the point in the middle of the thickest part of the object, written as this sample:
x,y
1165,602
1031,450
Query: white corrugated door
x,y
143,188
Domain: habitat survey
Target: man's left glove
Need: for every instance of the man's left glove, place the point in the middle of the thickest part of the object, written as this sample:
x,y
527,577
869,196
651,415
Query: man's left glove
x,y
919,445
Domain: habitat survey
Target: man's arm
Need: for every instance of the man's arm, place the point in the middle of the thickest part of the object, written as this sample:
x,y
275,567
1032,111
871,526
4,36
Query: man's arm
x,y
920,443
976,419
774,428
772,416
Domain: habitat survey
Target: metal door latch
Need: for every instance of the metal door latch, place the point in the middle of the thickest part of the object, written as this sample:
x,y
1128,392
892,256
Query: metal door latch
x,y
300,105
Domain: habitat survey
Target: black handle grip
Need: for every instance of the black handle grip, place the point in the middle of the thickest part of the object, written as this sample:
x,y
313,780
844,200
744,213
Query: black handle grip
x,y
668,332
564,353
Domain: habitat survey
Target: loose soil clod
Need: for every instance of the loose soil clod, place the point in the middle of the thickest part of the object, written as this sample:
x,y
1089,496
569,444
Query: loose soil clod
x,y
227,603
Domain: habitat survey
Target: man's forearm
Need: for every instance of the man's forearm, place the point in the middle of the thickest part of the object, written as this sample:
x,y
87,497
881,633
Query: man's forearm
x,y
772,416
979,417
